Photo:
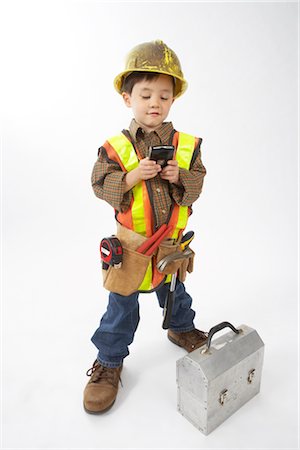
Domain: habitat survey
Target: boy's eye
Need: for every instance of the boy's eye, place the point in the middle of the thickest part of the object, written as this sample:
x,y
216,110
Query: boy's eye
x,y
146,97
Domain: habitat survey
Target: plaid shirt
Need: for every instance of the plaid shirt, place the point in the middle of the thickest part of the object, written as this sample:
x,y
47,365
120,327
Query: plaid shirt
x,y
108,178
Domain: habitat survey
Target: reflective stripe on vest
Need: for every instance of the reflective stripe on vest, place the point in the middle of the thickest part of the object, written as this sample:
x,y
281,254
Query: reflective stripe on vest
x,y
139,215
184,154
127,155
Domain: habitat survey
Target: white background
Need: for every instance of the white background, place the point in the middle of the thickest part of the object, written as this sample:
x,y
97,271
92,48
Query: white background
x,y
59,60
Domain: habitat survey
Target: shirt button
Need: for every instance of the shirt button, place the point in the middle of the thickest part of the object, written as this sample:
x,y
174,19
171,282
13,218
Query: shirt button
x,y
157,190
163,211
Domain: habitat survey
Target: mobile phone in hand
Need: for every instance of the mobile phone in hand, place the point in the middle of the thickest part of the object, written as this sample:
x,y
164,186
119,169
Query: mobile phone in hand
x,y
161,154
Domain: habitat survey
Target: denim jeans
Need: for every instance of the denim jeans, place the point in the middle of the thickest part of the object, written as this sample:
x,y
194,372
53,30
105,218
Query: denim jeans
x,y
120,321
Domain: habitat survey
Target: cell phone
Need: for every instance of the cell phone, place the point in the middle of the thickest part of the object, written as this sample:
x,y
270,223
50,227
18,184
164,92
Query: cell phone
x,y
161,154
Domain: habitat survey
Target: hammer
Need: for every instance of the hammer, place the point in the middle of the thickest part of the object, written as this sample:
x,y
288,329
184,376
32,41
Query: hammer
x,y
161,265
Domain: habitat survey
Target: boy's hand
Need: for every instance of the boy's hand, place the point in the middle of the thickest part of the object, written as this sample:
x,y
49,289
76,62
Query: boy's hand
x,y
171,172
144,171
148,169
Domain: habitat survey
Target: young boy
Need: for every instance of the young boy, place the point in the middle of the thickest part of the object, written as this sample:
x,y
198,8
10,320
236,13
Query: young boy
x,y
145,196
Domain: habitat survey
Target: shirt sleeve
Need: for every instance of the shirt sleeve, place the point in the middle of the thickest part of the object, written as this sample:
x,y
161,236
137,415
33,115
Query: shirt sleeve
x,y
190,181
108,182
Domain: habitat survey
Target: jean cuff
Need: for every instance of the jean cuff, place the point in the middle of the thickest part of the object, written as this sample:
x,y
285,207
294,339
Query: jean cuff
x,y
109,364
182,330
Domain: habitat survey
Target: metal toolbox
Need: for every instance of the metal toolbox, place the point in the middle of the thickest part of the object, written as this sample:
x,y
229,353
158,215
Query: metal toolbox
x,y
216,379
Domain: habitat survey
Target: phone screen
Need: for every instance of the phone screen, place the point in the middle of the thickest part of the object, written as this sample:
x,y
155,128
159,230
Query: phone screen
x,y
161,154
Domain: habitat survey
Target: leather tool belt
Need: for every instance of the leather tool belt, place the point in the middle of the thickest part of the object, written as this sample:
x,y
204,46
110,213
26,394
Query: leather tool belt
x,y
127,279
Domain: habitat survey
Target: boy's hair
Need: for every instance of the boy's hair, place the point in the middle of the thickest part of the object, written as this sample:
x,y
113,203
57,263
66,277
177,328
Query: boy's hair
x,y
135,77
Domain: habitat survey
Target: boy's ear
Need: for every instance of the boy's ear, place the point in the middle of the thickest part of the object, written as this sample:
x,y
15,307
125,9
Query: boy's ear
x,y
126,98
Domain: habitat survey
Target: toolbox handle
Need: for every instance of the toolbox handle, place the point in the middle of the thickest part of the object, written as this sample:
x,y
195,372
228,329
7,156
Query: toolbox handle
x,y
217,328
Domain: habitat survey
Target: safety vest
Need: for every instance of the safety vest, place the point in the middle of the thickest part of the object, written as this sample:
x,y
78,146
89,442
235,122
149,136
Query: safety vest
x,y
139,217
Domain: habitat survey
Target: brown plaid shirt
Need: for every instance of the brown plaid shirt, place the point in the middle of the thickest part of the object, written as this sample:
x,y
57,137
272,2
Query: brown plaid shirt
x,y
108,178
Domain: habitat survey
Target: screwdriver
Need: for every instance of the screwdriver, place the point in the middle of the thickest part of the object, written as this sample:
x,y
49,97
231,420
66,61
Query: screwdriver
x,y
186,239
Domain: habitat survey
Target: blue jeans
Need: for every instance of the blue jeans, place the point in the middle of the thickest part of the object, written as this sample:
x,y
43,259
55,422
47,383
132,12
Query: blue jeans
x,y
120,321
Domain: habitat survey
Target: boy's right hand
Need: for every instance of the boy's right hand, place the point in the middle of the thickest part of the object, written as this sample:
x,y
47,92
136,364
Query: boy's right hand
x,y
144,171
148,169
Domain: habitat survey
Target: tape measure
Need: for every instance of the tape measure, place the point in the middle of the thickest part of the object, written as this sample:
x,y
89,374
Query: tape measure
x,y
111,252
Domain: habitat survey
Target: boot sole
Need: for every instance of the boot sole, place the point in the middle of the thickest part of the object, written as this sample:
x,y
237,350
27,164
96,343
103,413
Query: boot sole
x,y
181,346
174,342
99,412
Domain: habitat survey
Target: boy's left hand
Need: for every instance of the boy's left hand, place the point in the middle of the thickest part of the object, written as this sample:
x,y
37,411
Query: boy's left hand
x,y
171,172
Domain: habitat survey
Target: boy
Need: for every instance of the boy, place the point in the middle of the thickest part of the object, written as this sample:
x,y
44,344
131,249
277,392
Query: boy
x,y
145,196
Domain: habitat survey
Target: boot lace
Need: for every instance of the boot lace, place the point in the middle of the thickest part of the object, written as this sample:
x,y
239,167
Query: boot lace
x,y
100,373
194,337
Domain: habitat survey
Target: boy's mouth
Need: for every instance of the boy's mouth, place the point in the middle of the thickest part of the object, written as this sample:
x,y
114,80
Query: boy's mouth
x,y
154,114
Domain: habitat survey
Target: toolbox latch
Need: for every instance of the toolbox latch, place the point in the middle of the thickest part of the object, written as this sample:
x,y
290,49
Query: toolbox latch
x,y
223,396
251,376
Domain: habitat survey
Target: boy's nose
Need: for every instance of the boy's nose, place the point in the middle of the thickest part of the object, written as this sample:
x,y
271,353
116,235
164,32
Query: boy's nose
x,y
154,103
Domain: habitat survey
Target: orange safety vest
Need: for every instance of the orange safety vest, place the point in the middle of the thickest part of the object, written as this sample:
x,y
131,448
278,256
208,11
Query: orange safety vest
x,y
139,217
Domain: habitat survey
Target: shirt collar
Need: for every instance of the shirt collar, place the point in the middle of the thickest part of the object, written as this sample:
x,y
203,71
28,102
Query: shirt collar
x,y
165,128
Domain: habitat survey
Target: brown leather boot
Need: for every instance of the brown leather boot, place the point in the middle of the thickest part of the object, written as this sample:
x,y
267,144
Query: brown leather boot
x,y
189,340
101,391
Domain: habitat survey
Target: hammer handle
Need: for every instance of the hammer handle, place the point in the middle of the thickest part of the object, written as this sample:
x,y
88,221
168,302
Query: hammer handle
x,y
168,307
168,310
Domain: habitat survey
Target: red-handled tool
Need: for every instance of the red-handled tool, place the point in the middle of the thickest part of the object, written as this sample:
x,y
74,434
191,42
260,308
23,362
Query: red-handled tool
x,y
154,246
145,245
111,252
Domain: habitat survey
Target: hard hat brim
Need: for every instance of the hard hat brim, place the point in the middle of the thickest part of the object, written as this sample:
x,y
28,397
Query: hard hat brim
x,y
180,84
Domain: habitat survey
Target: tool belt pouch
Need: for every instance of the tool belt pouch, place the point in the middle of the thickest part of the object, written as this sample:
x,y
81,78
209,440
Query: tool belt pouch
x,y
186,266
166,248
128,278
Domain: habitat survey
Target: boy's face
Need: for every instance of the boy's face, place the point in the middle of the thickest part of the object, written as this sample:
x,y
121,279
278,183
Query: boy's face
x,y
151,101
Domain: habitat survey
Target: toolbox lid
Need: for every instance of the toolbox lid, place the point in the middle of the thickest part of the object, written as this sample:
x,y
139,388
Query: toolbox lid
x,y
225,352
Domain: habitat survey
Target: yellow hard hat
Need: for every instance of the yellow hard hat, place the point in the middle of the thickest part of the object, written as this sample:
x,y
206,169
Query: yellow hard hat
x,y
155,57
